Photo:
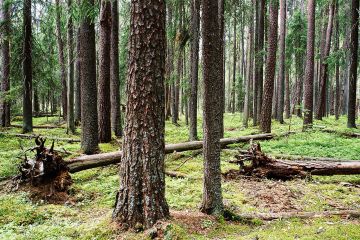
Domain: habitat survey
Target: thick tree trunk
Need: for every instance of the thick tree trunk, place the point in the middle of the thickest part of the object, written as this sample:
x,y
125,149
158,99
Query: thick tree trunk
x,y
281,82
141,197
309,69
354,45
89,122
213,108
321,107
265,121
61,59
194,72
116,123
70,93
5,64
104,104
27,68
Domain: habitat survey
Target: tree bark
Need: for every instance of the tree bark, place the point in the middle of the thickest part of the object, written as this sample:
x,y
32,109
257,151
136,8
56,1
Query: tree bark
x,y
104,104
116,123
89,122
321,107
337,67
27,68
234,68
5,64
281,85
77,80
265,120
194,72
70,93
61,59
221,25
141,197
309,69
354,45
213,108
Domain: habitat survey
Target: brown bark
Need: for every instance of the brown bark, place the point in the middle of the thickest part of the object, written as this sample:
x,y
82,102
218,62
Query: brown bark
x,y
354,45
27,68
321,107
70,83
337,68
5,64
309,69
116,123
287,94
221,25
61,59
104,104
141,197
213,108
233,105
77,107
265,120
194,72
281,78
89,122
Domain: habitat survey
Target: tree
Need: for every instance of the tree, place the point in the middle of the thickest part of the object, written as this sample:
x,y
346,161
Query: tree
x,y
27,68
70,83
309,69
281,82
194,72
321,107
221,18
89,117
5,64
61,59
114,71
104,105
354,45
141,197
265,120
213,108
77,101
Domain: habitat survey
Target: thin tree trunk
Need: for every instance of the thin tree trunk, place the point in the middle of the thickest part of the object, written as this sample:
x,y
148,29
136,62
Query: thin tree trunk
x,y
234,68
337,68
114,71
70,94
354,45
27,68
221,25
77,80
213,108
89,122
194,72
61,59
281,82
309,69
265,120
141,200
260,61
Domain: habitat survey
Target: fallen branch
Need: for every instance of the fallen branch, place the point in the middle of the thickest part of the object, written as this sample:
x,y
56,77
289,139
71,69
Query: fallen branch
x,y
345,134
302,215
33,136
264,166
104,159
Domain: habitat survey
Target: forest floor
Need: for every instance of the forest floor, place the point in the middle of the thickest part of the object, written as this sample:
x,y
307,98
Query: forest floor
x,y
88,214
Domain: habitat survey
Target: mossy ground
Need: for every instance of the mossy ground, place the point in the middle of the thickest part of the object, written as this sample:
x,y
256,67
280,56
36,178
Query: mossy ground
x,y
93,191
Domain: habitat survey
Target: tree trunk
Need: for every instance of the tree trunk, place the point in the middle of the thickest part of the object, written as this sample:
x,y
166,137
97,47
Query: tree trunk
x,y
77,80
234,68
70,94
281,82
321,107
61,59
89,122
104,105
287,94
309,69
114,71
221,25
354,45
265,121
194,72
337,67
141,197
27,68
213,108
5,64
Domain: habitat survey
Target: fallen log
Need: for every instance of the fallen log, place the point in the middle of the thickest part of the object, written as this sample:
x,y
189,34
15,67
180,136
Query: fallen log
x,y
302,215
38,127
264,166
345,134
104,159
34,136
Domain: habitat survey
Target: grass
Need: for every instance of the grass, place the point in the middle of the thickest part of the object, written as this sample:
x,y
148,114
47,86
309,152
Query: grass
x,y
88,216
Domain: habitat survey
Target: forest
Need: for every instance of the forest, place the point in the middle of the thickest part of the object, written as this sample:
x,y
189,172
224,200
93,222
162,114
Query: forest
x,y
179,119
